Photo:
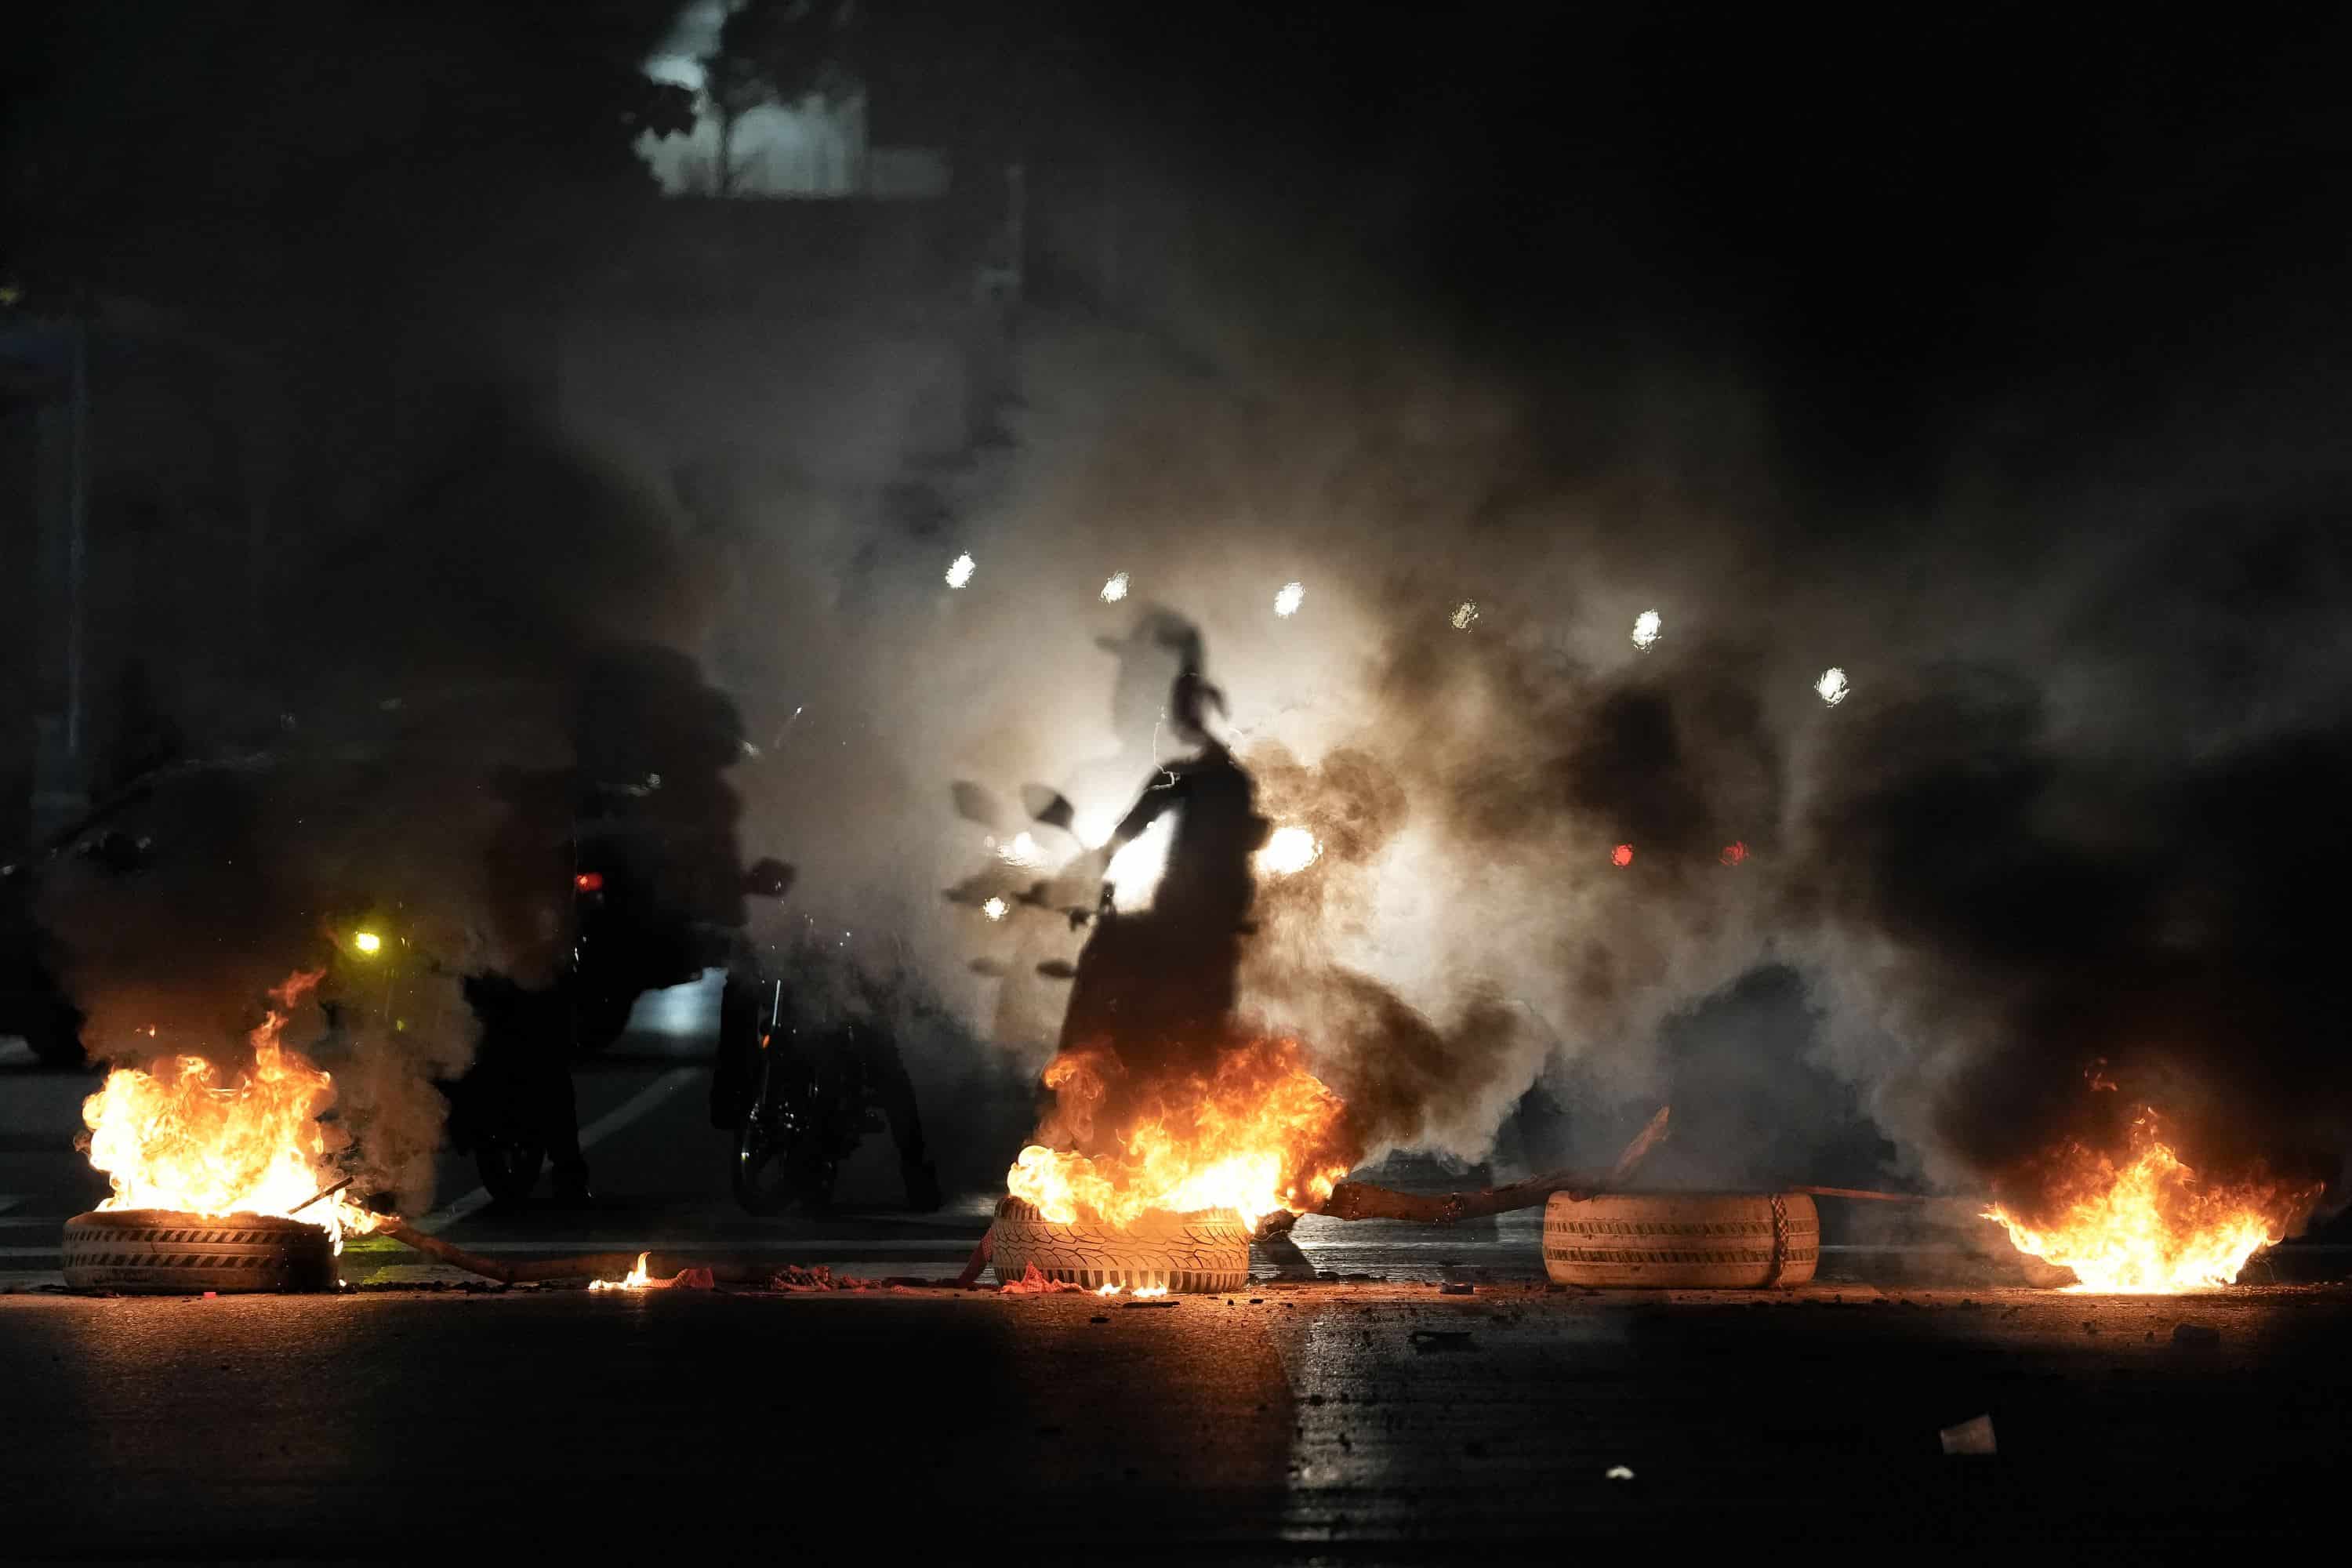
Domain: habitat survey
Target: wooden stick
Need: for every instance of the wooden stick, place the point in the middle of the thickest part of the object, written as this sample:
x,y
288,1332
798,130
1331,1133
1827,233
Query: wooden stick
x,y
314,1198
1361,1200
981,1251
580,1265
1877,1197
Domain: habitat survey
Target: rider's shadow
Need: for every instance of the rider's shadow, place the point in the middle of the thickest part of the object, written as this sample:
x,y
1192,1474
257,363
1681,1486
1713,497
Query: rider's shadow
x,y
1289,1262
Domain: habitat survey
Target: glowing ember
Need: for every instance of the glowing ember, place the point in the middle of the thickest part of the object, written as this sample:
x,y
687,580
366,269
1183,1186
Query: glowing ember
x,y
182,1135
996,909
2150,1225
1464,614
367,941
1262,1134
1288,851
1116,589
1621,855
635,1279
1734,852
1647,627
1286,602
1831,686
959,571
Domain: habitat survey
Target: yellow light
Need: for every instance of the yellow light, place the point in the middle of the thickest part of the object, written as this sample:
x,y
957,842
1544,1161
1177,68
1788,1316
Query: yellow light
x,y
366,941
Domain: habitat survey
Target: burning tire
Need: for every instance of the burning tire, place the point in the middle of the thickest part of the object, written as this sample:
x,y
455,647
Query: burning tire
x,y
155,1252
1203,1251
1701,1241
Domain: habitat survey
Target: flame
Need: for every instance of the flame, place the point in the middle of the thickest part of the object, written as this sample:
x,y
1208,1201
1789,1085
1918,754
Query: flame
x,y
1647,628
635,1279
1262,1134
1464,614
996,909
1147,1292
1286,602
2152,1225
1114,590
1107,1289
178,1135
1832,687
959,571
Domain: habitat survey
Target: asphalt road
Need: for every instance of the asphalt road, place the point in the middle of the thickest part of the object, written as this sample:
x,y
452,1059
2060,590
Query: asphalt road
x,y
1341,1409
1290,1422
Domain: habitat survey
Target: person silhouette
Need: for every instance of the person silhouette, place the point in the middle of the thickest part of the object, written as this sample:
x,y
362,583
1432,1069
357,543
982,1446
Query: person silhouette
x,y
1167,977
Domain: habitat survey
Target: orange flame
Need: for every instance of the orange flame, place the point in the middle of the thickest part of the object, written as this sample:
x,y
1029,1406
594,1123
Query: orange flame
x,y
2151,1225
635,1279
174,1136
1263,1133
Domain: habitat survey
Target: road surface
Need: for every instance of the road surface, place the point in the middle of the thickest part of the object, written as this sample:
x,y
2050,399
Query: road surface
x,y
1344,1407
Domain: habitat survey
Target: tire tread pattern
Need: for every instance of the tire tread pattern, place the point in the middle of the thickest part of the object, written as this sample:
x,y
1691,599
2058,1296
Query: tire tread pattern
x,y
155,1252
1196,1253
1685,1240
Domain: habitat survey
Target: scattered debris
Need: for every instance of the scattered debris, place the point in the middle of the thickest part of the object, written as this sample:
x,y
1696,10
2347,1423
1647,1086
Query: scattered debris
x,y
2200,1335
1457,1287
1971,1437
1099,1318
798,1280
1133,1306
1033,1283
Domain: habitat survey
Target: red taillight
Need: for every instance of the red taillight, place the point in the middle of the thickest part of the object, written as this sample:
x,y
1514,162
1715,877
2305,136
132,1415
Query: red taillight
x,y
589,881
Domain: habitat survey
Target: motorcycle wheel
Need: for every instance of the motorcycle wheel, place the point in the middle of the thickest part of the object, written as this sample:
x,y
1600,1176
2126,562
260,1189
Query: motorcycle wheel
x,y
510,1167
772,1176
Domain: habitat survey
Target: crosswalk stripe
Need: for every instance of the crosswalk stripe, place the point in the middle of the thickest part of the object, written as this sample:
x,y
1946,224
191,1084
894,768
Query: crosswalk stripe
x,y
595,1133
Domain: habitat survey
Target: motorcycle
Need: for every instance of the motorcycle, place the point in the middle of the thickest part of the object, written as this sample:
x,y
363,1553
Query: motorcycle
x,y
814,1095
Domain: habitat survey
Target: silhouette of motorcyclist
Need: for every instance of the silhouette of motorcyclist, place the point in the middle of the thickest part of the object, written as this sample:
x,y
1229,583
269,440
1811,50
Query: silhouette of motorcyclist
x,y
651,741
1167,977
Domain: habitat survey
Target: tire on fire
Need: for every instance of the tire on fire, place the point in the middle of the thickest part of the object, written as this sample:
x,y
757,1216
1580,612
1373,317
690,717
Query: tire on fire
x,y
1197,1252
158,1253
1695,1241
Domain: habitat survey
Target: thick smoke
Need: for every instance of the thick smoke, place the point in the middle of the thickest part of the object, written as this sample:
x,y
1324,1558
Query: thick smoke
x,y
389,773
2073,809
2082,803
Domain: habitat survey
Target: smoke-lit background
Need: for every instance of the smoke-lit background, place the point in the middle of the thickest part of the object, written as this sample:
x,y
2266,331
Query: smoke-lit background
x,y
1998,363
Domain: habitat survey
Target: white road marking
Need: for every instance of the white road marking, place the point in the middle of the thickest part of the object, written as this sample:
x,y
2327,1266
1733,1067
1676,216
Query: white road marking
x,y
595,1133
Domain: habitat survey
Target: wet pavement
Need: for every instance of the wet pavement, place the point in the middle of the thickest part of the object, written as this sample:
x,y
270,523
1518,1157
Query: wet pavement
x,y
1287,1423
1344,1408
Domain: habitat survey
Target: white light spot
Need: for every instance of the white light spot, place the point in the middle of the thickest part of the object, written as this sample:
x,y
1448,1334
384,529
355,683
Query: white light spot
x,y
1116,589
1831,686
996,909
1647,626
1021,851
1464,614
959,571
1286,602
1291,849
1135,871
1619,1472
